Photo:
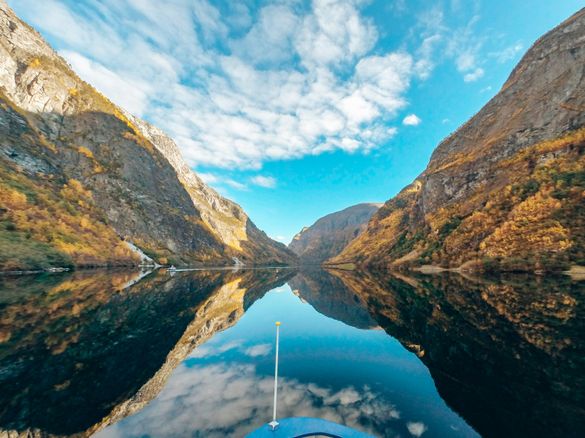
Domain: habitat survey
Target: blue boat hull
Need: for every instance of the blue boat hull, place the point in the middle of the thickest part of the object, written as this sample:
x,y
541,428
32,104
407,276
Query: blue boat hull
x,y
305,426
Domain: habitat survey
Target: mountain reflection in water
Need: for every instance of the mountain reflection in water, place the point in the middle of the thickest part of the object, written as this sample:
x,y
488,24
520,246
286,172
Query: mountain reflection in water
x,y
506,353
77,349
192,354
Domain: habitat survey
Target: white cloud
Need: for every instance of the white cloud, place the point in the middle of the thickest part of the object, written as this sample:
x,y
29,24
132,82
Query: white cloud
x,y
398,7
235,93
218,181
474,75
333,34
464,47
258,350
131,94
208,178
264,181
507,54
210,350
411,120
416,429
424,65
458,44
235,184
270,39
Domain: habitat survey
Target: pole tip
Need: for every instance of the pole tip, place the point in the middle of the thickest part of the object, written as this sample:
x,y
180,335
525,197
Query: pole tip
x,y
277,323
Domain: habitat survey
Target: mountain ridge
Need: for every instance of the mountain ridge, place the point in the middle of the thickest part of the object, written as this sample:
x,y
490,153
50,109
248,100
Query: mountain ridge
x,y
504,191
129,177
331,233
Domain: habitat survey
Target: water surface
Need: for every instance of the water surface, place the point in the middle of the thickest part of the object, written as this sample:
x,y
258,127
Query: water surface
x,y
192,354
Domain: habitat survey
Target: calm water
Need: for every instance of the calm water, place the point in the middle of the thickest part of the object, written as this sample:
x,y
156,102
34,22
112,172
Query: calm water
x,y
119,355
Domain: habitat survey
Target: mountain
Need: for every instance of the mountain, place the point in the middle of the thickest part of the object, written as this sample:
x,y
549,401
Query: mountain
x,y
84,183
505,191
330,234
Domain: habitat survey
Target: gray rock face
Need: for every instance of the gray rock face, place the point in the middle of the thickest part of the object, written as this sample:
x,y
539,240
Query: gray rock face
x,y
225,218
330,234
543,97
214,209
503,187
134,171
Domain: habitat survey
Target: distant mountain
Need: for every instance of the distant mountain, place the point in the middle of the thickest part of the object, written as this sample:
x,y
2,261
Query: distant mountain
x,y
82,181
505,191
330,234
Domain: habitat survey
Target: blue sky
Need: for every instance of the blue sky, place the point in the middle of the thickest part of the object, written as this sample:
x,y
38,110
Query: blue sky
x,y
296,109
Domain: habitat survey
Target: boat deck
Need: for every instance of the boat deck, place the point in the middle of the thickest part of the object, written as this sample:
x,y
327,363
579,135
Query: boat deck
x,y
306,427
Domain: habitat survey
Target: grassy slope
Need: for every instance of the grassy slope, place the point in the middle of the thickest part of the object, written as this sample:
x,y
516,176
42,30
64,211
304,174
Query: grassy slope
x,y
531,218
43,224
46,221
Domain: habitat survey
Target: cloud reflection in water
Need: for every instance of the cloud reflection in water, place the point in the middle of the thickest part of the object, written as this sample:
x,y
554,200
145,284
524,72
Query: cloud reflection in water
x,y
224,399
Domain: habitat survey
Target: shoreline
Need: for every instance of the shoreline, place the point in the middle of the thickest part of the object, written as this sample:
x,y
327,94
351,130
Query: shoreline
x,y
576,272
141,267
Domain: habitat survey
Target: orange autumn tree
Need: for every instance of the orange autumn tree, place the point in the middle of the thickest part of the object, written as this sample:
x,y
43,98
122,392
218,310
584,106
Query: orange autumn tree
x,y
42,227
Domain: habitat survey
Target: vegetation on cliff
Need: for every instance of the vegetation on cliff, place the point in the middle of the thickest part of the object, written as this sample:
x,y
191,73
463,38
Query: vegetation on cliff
x,y
534,218
80,176
42,228
506,191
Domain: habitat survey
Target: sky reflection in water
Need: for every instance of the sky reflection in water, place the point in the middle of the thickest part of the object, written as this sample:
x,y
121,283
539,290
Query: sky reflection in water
x,y
362,378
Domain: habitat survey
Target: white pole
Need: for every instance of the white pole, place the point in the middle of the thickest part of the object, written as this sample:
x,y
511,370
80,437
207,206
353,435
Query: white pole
x,y
274,423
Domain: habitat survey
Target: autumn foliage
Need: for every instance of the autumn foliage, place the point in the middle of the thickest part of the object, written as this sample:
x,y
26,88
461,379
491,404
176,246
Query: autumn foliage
x,y
45,224
530,217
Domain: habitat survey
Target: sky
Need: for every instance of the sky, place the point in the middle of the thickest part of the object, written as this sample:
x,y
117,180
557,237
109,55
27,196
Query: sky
x,y
296,108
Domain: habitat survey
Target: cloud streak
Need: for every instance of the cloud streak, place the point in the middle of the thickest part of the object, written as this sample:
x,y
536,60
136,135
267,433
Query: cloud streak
x,y
264,181
459,44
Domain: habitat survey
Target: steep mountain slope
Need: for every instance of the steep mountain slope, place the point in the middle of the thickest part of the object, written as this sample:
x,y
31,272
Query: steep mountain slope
x,y
330,234
58,133
226,219
506,190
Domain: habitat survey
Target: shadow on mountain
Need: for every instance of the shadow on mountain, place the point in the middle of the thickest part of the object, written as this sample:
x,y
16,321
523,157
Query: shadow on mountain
x,y
80,351
506,353
107,168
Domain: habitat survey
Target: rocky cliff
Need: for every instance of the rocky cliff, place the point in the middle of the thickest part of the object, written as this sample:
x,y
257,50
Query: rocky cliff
x,y
79,174
506,190
330,234
226,219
